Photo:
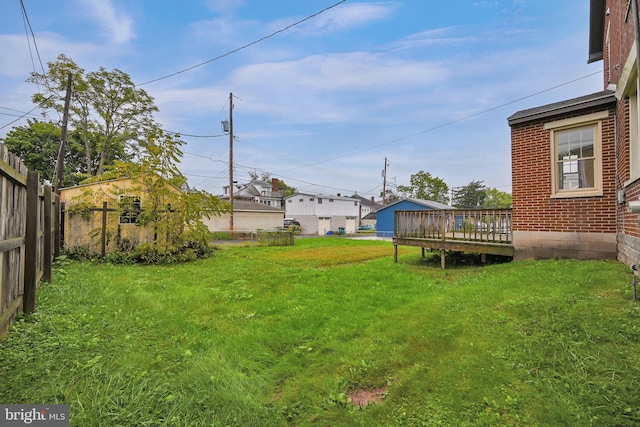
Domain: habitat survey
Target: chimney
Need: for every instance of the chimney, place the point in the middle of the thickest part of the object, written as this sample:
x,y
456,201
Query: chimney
x,y
373,201
275,185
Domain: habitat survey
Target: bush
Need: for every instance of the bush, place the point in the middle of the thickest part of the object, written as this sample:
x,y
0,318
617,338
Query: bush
x,y
147,253
190,251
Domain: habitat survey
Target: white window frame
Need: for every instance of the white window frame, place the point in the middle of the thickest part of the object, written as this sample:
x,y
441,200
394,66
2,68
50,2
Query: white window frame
x,y
634,143
593,120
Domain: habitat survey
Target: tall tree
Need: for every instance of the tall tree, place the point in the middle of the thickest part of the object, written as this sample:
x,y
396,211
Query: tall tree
x,y
497,199
110,112
426,187
470,196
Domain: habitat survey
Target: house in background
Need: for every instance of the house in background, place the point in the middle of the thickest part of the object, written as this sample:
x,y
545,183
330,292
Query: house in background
x,y
576,163
368,208
248,216
259,191
319,214
385,215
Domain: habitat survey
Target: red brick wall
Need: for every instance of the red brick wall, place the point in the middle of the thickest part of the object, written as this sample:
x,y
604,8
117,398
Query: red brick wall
x,y
628,222
533,207
621,36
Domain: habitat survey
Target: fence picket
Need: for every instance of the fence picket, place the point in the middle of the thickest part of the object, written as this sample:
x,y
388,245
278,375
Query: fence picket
x,y
25,252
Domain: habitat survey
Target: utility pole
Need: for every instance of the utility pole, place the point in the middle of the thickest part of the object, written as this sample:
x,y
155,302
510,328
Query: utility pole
x,y
231,160
384,182
63,139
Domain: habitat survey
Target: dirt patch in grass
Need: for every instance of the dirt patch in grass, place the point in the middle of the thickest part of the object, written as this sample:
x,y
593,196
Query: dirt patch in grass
x,y
362,398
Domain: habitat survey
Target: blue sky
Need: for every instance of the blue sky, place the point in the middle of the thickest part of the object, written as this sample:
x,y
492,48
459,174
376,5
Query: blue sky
x,y
428,85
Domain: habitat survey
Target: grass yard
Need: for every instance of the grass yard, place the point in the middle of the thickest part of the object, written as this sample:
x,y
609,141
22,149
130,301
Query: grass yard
x,y
293,336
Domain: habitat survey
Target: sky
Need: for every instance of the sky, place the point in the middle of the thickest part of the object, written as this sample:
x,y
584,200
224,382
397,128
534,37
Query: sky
x,y
323,91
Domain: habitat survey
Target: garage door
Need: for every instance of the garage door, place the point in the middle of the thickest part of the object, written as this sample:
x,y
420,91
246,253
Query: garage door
x,y
352,225
324,225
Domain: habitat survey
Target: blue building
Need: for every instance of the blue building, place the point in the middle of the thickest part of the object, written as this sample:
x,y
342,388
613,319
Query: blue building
x,y
384,220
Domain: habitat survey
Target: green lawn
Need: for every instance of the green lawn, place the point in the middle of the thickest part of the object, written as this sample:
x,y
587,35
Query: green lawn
x,y
278,336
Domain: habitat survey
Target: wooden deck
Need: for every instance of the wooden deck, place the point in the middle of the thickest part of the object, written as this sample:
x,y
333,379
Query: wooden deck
x,y
483,231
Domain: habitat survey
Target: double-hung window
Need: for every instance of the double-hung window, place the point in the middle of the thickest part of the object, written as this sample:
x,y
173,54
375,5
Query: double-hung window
x,y
576,153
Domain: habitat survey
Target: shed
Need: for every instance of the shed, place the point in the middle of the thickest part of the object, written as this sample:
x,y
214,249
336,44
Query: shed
x,y
94,218
385,215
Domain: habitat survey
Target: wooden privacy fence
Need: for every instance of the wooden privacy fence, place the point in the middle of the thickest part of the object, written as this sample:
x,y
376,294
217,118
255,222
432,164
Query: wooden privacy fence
x,y
484,231
29,236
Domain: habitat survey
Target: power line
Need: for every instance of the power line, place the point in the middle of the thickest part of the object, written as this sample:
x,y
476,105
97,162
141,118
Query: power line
x,y
180,134
246,45
33,36
27,113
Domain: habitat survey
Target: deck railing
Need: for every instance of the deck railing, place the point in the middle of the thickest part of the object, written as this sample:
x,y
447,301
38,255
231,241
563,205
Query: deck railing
x,y
484,231
475,225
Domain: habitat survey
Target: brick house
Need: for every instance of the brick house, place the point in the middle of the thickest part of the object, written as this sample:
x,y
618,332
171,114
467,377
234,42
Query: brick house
x,y
576,163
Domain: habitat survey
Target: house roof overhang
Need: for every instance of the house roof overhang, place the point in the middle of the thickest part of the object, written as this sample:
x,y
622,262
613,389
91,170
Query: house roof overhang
x,y
598,99
597,12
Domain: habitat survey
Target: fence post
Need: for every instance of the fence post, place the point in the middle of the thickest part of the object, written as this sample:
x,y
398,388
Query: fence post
x,y
31,241
57,211
443,230
47,240
62,216
104,229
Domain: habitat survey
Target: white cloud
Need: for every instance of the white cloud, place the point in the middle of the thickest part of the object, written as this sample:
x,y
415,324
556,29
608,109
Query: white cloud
x,y
356,71
347,17
117,26
434,37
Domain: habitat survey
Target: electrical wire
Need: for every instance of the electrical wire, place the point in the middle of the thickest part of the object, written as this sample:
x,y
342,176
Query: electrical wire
x,y
27,113
33,36
245,46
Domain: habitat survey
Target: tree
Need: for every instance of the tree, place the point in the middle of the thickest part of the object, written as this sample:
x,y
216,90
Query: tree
x,y
37,145
426,187
390,196
470,196
497,199
110,113
286,190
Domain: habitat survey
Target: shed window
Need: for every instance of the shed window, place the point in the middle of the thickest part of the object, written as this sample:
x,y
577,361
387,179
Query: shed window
x,y
130,207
